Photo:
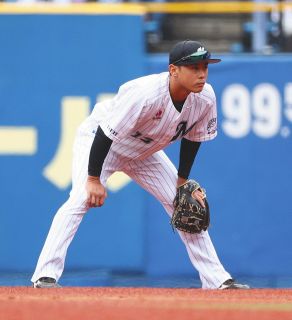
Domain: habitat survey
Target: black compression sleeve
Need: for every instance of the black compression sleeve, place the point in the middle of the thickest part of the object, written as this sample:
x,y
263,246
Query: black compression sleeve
x,y
188,152
98,152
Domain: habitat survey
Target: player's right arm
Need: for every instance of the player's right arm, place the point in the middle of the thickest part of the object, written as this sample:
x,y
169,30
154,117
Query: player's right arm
x,y
96,192
124,112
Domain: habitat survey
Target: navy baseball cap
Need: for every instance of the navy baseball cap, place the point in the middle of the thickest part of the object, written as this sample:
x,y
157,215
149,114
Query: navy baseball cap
x,y
190,52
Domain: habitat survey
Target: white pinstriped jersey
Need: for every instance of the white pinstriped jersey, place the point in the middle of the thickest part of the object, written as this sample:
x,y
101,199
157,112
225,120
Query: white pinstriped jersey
x,y
141,119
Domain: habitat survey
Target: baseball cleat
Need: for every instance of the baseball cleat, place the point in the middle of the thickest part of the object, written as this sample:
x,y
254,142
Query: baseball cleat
x,y
46,282
231,284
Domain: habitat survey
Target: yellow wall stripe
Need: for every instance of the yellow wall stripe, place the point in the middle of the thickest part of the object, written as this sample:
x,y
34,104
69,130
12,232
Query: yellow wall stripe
x,y
143,7
72,8
216,7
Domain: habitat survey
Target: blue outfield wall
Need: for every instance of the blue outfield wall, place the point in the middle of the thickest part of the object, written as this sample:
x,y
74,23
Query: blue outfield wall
x,y
54,67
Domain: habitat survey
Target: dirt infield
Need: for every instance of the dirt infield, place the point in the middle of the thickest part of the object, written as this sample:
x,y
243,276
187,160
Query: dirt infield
x,y
21,303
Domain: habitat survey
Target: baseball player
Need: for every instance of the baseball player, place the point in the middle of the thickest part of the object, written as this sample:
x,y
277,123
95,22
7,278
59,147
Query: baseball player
x,y
128,134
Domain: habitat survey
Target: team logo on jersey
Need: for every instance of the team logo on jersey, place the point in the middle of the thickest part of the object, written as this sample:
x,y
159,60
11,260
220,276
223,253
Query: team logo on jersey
x,y
211,127
182,130
158,115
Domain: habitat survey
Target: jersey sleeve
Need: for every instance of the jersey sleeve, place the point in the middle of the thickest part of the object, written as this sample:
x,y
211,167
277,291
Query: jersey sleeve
x,y
206,127
123,113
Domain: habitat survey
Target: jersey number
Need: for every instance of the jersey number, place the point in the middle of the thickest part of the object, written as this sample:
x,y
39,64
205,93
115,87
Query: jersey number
x,y
144,139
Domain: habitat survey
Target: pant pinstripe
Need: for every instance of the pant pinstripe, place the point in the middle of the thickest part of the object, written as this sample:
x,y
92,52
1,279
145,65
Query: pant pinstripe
x,y
155,174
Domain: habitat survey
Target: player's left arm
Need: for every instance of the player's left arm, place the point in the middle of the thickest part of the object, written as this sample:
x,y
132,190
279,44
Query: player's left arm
x,y
187,155
188,152
204,130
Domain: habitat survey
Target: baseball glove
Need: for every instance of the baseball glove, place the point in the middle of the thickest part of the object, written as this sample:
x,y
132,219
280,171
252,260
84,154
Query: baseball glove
x,y
189,215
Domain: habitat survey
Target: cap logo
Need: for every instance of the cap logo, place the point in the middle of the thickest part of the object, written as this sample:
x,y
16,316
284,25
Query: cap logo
x,y
190,52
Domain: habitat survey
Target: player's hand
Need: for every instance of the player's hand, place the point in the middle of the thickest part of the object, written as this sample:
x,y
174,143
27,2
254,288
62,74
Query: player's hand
x,y
198,194
96,192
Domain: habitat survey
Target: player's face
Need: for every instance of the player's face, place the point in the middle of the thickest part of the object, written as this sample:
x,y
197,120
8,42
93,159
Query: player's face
x,y
193,77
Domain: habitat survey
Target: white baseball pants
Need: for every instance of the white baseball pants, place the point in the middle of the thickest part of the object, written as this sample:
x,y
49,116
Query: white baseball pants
x,y
155,174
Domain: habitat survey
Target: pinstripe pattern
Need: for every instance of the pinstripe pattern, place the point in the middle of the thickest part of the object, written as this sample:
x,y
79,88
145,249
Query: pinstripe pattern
x,y
158,176
141,120
133,111
69,216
